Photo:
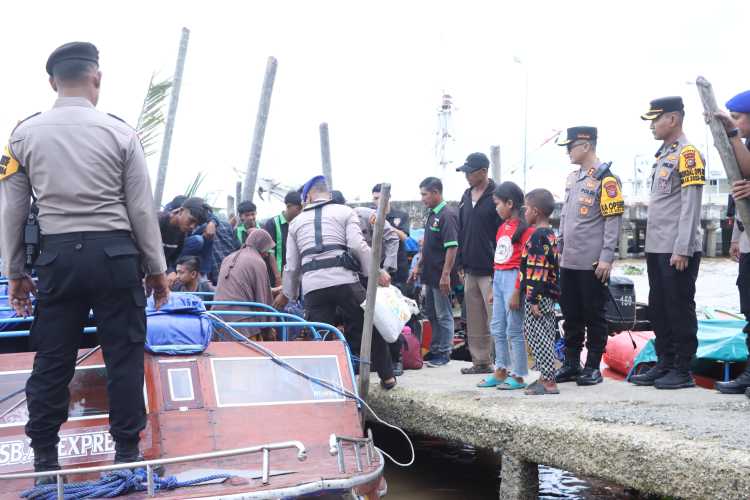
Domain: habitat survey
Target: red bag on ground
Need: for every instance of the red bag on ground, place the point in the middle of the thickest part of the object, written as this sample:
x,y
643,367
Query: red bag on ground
x,y
411,351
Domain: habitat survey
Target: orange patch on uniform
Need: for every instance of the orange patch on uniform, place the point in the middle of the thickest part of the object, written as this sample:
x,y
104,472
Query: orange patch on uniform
x,y
584,210
590,184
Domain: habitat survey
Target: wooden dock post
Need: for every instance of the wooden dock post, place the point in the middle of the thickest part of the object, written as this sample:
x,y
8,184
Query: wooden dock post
x,y
325,154
495,162
161,173
372,289
230,205
721,141
253,163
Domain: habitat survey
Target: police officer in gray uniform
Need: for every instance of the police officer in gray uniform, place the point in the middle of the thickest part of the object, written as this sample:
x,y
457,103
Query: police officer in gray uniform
x,y
673,246
325,253
99,233
589,231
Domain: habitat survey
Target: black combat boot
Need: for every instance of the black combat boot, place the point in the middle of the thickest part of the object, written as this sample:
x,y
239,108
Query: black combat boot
x,y
678,377
741,383
570,369
660,369
591,374
126,452
45,459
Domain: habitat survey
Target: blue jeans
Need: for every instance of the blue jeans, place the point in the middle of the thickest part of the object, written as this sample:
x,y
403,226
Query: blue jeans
x,y
201,247
506,326
440,313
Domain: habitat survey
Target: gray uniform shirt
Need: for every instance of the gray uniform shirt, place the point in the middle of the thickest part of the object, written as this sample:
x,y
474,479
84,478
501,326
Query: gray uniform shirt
x,y
674,211
88,172
390,238
590,220
339,226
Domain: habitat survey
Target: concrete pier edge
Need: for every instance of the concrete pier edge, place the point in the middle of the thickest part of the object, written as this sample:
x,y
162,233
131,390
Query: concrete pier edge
x,y
651,457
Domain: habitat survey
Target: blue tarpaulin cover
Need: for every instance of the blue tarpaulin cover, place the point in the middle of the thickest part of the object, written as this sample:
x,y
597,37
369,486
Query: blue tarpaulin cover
x,y
718,340
179,327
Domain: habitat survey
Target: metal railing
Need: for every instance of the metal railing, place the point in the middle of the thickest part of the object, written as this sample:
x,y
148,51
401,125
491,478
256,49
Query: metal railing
x,y
336,447
149,464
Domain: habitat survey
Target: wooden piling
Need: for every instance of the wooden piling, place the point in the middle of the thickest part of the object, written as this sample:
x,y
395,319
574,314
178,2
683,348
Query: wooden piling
x,y
253,164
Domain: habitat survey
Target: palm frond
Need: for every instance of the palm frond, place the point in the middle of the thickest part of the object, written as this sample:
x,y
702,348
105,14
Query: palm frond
x,y
152,114
195,185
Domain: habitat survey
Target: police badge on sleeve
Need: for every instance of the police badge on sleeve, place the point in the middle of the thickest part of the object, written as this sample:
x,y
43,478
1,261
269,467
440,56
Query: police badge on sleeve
x,y
8,164
691,168
611,201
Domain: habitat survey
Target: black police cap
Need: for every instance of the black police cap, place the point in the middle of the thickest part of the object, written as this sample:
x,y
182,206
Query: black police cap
x,y
578,134
663,105
82,51
474,162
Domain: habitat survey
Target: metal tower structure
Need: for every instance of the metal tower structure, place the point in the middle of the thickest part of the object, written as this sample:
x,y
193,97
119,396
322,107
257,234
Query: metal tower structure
x,y
444,132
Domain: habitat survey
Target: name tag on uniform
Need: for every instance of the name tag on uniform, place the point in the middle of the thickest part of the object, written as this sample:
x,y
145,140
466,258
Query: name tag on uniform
x,y
591,184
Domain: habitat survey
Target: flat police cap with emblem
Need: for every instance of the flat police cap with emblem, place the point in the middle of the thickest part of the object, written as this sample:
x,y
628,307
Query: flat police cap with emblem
x,y
578,134
474,162
740,103
81,51
663,105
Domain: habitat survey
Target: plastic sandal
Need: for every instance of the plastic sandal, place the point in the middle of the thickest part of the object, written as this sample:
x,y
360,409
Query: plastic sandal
x,y
490,381
538,389
388,386
511,384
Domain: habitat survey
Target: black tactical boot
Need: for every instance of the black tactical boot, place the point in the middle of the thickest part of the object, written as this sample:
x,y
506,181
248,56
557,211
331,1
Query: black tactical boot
x,y
589,376
736,386
678,377
570,369
126,452
741,383
660,369
45,459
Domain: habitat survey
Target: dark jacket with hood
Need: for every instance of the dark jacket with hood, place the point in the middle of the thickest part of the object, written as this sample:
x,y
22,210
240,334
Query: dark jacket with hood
x,y
477,233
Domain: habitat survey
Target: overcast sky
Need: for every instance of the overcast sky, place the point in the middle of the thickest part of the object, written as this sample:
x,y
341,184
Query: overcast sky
x,y
375,71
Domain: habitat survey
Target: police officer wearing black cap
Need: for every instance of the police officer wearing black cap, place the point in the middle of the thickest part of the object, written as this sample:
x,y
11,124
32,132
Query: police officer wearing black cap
x,y
99,235
590,224
674,242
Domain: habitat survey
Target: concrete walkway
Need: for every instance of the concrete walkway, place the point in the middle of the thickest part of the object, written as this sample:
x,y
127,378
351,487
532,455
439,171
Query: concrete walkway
x,y
691,443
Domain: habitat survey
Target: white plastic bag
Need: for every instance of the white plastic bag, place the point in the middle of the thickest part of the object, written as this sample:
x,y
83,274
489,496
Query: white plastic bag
x,y
392,312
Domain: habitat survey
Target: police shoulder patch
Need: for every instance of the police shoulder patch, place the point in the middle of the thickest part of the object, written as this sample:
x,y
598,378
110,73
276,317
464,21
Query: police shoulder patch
x,y
691,168
8,164
611,201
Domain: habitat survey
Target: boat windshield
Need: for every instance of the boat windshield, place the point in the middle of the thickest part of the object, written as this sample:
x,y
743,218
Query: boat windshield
x,y
261,381
88,395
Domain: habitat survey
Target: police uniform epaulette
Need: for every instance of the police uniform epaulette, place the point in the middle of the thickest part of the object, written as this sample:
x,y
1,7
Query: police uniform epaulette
x,y
25,119
121,120
602,171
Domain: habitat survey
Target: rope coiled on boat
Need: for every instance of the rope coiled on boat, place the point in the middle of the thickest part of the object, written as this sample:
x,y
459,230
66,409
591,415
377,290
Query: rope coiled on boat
x,y
113,484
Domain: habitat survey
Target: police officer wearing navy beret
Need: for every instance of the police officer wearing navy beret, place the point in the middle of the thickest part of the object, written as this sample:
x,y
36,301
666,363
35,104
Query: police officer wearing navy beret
x,y
737,125
99,236
674,245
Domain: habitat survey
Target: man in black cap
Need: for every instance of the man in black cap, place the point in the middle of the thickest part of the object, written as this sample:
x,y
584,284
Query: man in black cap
x,y
478,223
589,231
175,225
674,242
99,235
